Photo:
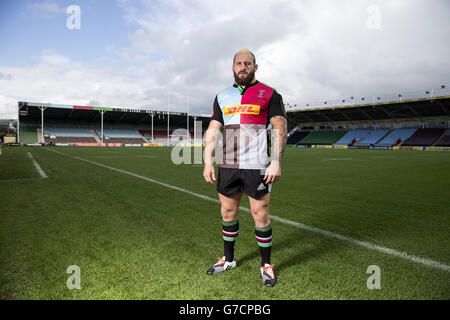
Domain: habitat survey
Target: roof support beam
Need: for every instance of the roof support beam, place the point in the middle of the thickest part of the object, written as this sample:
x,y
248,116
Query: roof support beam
x,y
415,112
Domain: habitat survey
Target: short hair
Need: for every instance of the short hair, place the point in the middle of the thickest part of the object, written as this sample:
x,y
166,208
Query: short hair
x,y
244,51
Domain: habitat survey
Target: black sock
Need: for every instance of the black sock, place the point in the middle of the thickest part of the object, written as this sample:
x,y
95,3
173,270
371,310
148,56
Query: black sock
x,y
264,239
230,232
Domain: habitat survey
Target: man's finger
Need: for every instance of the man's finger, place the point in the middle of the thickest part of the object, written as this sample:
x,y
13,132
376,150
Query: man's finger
x,y
212,177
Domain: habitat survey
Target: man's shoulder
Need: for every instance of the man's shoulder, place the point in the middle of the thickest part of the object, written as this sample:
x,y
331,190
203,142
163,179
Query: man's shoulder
x,y
268,86
227,90
228,95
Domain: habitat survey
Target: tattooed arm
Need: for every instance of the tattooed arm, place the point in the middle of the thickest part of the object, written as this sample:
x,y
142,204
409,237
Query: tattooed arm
x,y
279,138
279,125
211,141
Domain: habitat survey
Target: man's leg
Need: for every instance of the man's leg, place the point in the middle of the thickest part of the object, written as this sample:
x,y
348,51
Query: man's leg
x,y
229,207
263,227
263,233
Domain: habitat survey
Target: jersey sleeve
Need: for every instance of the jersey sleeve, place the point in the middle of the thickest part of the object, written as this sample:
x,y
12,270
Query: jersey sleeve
x,y
276,106
217,112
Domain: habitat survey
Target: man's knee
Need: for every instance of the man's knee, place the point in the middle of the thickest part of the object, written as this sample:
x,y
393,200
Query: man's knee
x,y
229,211
260,209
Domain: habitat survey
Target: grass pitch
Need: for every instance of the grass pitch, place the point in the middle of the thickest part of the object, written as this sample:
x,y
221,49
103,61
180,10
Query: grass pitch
x,y
136,239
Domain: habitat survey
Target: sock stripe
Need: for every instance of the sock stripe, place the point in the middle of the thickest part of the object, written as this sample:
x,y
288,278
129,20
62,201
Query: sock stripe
x,y
230,230
268,239
230,234
265,245
264,236
231,223
265,229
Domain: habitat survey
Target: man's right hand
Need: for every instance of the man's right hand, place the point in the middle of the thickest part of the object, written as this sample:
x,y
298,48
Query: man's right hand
x,y
209,173
211,140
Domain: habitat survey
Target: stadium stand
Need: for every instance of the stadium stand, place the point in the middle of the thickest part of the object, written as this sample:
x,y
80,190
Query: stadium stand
x,y
120,136
396,137
424,137
353,136
156,133
296,137
68,135
322,137
444,141
372,137
28,134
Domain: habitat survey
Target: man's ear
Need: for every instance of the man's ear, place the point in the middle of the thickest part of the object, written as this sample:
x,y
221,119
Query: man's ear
x,y
256,67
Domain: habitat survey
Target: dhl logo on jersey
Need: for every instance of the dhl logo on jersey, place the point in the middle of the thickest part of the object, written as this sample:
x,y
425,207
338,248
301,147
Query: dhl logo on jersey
x,y
242,109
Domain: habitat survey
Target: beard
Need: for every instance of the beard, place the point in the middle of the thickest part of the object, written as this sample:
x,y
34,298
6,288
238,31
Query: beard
x,y
246,80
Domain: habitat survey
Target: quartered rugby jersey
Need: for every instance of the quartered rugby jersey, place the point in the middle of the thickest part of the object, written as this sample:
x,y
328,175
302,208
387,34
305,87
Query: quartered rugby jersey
x,y
245,114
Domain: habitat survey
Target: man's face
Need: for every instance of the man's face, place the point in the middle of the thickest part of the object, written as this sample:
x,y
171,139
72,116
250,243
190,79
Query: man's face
x,y
244,69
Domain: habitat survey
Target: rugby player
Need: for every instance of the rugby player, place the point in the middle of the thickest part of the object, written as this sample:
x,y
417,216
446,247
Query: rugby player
x,y
242,114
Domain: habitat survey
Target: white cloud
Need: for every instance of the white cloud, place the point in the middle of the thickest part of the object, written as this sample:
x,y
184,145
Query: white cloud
x,y
53,58
45,9
309,50
8,107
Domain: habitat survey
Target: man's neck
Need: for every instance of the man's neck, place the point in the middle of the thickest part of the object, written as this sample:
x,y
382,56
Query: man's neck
x,y
243,87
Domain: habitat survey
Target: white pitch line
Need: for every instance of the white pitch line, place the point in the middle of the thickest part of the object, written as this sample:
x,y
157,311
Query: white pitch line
x,y
368,245
38,167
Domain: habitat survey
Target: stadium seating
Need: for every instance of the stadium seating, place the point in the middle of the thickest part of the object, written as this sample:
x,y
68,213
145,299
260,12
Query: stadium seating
x,y
297,136
28,135
396,136
68,135
353,136
424,137
322,137
157,133
120,136
372,137
445,140
68,132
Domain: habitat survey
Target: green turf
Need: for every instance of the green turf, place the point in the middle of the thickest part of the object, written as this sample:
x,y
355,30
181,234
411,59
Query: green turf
x,y
134,239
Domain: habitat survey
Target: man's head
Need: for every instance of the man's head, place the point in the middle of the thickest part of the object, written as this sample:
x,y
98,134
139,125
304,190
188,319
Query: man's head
x,y
244,67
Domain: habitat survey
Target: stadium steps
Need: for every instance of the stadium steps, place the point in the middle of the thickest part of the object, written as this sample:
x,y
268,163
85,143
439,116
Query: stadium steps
x,y
293,131
352,137
372,137
143,138
425,137
387,133
395,135
446,132
96,137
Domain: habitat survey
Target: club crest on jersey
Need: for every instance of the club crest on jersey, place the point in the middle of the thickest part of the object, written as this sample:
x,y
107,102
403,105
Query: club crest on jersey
x,y
242,109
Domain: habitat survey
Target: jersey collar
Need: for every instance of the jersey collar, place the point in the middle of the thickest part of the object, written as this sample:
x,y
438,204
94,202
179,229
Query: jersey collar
x,y
242,90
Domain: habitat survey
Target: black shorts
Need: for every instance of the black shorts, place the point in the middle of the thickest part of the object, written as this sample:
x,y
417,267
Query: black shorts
x,y
249,181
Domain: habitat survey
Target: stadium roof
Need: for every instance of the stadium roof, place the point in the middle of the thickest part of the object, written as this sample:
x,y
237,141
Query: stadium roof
x,y
400,110
32,111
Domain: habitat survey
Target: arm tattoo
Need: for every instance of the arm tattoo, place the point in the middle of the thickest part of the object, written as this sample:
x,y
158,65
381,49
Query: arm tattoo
x,y
280,124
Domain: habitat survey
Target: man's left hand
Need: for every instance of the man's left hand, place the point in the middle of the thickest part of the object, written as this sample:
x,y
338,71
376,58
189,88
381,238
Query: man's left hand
x,y
273,172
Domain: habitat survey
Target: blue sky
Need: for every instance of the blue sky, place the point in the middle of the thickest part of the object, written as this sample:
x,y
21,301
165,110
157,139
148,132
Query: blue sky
x,y
28,28
136,53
